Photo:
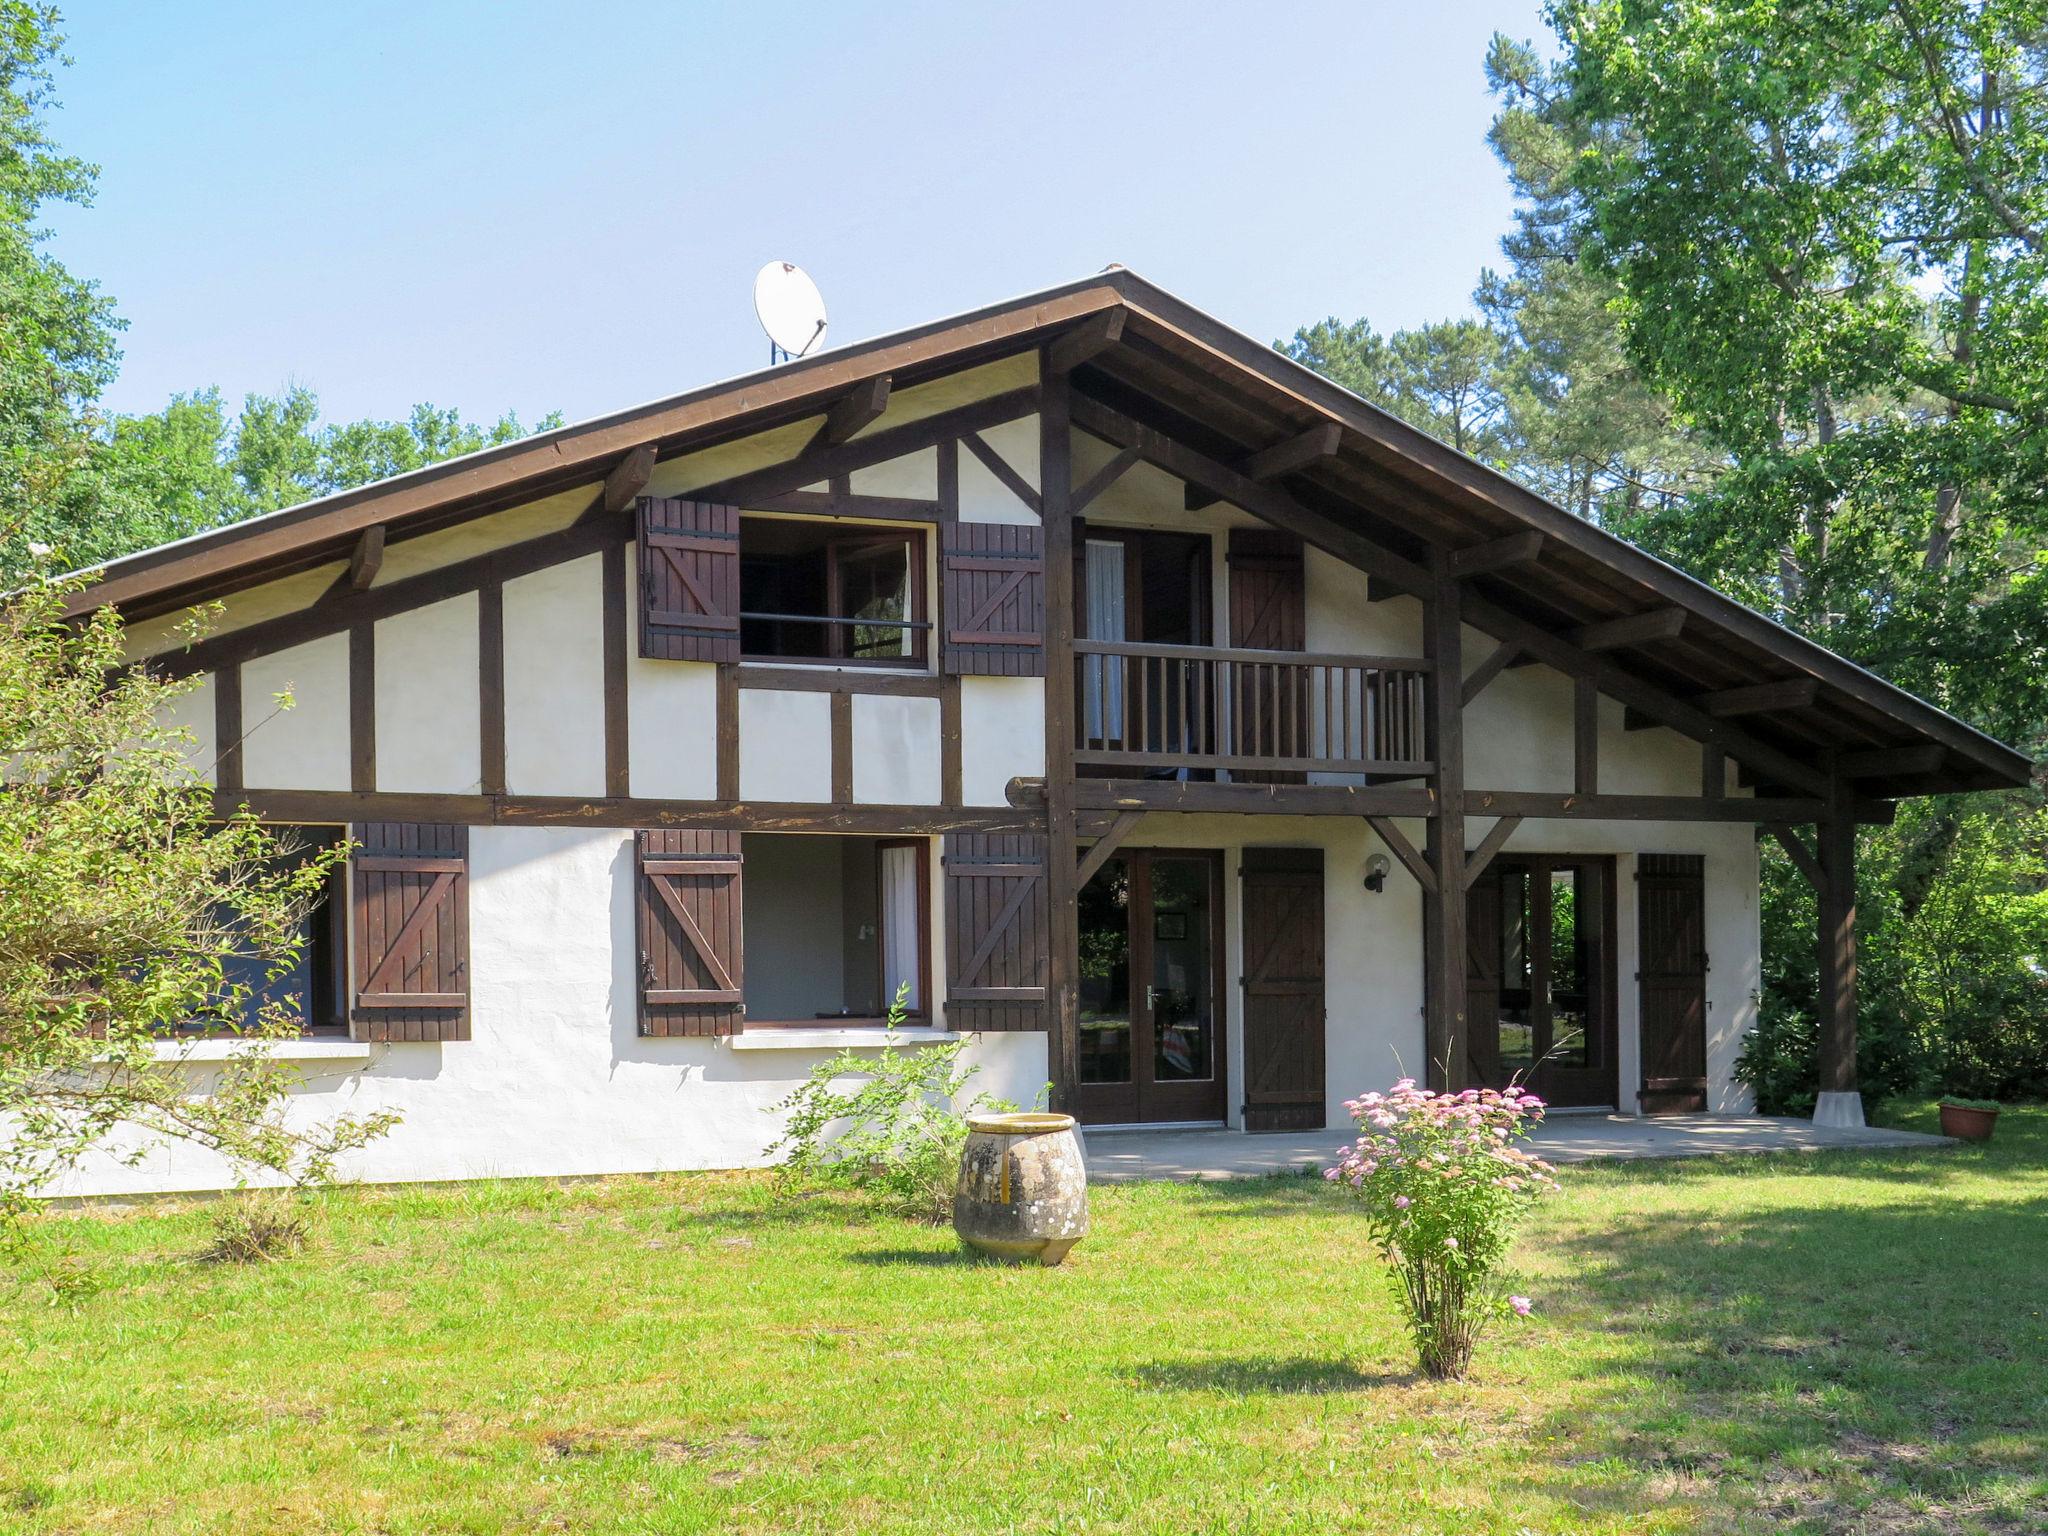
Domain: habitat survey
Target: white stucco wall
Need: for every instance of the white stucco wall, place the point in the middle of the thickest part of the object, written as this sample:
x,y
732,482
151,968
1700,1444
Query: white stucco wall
x,y
1002,735
895,750
306,746
983,497
192,712
428,731
554,680
557,1079
785,745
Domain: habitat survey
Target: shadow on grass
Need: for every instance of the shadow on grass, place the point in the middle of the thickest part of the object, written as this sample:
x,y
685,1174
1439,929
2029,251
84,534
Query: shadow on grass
x,y
1265,1375
1879,1353
922,1258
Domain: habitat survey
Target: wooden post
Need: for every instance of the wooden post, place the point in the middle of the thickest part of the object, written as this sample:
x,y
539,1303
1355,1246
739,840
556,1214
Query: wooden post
x,y
1055,490
1443,927
1835,838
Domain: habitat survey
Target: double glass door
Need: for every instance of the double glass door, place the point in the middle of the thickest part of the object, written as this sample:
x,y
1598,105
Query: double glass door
x,y
1540,977
1151,1043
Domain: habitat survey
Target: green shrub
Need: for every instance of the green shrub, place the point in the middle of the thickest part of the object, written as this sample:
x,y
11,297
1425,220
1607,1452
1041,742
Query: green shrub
x,y
897,1135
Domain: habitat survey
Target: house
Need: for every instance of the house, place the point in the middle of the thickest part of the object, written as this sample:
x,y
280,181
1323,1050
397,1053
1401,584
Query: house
x,y
1199,739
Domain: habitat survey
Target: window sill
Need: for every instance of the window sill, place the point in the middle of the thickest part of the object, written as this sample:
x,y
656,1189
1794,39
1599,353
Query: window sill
x,y
870,1037
226,1048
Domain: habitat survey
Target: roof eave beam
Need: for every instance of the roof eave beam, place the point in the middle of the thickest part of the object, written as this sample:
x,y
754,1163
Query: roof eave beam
x,y
1096,334
1497,555
628,478
1634,629
1283,458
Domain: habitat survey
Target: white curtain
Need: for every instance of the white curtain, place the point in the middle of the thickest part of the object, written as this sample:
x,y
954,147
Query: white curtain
x,y
1103,676
900,900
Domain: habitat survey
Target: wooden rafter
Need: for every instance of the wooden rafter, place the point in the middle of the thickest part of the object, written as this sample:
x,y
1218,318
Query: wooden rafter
x,y
368,558
859,407
1280,459
1103,478
1096,334
1761,698
1499,554
1004,471
628,478
1890,762
1634,629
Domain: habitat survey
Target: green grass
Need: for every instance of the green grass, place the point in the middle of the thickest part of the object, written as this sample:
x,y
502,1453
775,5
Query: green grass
x,y
1818,1343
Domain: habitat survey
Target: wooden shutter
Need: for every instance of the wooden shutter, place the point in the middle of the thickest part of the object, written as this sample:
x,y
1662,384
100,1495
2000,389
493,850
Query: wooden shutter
x,y
691,956
1268,612
1284,1078
411,908
998,939
993,613
1671,914
689,580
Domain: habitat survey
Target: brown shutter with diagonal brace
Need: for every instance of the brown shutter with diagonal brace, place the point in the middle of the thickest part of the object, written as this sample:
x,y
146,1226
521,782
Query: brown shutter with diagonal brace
x,y
688,920
993,616
689,553
411,904
997,935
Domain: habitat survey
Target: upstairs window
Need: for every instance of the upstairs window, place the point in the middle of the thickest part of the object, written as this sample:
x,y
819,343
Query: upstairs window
x,y
814,591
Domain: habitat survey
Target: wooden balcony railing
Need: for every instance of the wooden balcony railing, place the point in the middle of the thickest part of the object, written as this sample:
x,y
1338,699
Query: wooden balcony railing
x,y
1145,707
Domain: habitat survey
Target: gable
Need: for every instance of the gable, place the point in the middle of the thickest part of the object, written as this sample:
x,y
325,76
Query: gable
x,y
1152,376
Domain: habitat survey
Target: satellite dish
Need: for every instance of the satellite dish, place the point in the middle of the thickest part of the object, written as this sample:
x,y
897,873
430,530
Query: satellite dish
x,y
791,309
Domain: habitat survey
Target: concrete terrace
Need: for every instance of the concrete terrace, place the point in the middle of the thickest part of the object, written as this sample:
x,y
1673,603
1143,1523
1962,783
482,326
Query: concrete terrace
x,y
1199,1155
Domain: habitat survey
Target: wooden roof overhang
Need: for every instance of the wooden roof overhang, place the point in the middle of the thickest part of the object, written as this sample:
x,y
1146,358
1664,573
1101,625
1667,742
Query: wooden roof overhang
x,y
1240,421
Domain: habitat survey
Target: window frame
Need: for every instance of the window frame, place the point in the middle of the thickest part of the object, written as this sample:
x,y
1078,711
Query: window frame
x,y
842,533
917,1018
324,1011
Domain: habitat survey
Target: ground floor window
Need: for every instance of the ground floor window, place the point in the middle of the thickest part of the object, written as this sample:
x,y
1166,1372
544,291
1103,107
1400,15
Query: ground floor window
x,y
314,984
835,926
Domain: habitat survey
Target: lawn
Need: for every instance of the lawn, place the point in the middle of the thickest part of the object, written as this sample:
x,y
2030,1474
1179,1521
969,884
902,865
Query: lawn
x,y
1821,1343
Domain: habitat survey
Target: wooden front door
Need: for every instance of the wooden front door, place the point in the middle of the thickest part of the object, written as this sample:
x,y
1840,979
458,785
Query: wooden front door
x,y
1283,989
1151,1015
1540,977
1671,915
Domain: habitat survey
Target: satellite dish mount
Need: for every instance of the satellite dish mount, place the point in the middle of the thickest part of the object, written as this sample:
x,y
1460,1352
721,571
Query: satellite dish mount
x,y
791,311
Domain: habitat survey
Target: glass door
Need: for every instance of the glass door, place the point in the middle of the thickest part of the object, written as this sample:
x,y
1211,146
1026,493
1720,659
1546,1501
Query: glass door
x,y
1540,977
1150,1017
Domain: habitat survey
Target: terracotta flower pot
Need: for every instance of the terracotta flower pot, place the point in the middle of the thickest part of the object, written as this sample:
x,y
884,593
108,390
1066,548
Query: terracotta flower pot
x,y
1967,1124
1023,1190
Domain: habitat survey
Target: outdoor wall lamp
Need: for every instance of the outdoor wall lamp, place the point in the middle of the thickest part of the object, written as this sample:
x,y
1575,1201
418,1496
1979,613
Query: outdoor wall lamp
x,y
1376,869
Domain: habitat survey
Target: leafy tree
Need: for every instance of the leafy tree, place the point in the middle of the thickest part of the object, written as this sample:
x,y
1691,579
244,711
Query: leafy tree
x,y
1446,377
129,915
57,347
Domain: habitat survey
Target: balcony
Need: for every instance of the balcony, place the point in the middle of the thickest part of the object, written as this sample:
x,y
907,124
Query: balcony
x,y
1147,709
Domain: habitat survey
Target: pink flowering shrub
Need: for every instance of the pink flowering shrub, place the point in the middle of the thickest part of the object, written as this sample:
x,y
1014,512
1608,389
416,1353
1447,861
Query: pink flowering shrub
x,y
1444,1188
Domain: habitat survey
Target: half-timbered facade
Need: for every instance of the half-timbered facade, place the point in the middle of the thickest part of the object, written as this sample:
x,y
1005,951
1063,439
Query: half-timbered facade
x,y
1204,743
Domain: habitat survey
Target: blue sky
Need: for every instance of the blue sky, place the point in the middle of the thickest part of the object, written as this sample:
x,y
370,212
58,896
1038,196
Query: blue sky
x,y
538,206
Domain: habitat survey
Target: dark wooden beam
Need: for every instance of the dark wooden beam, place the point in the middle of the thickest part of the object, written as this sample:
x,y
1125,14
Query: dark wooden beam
x,y
1497,660
1480,857
815,464
1004,471
1891,762
1585,737
916,509
368,558
1055,509
1118,795
1762,810
1098,333
343,806
628,478
1280,459
1445,1011
618,739
490,690
1617,634
858,407
1801,855
227,730
1713,771
1410,857
1103,479
1760,698
1515,549
1104,846
362,706
1540,642
1835,843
